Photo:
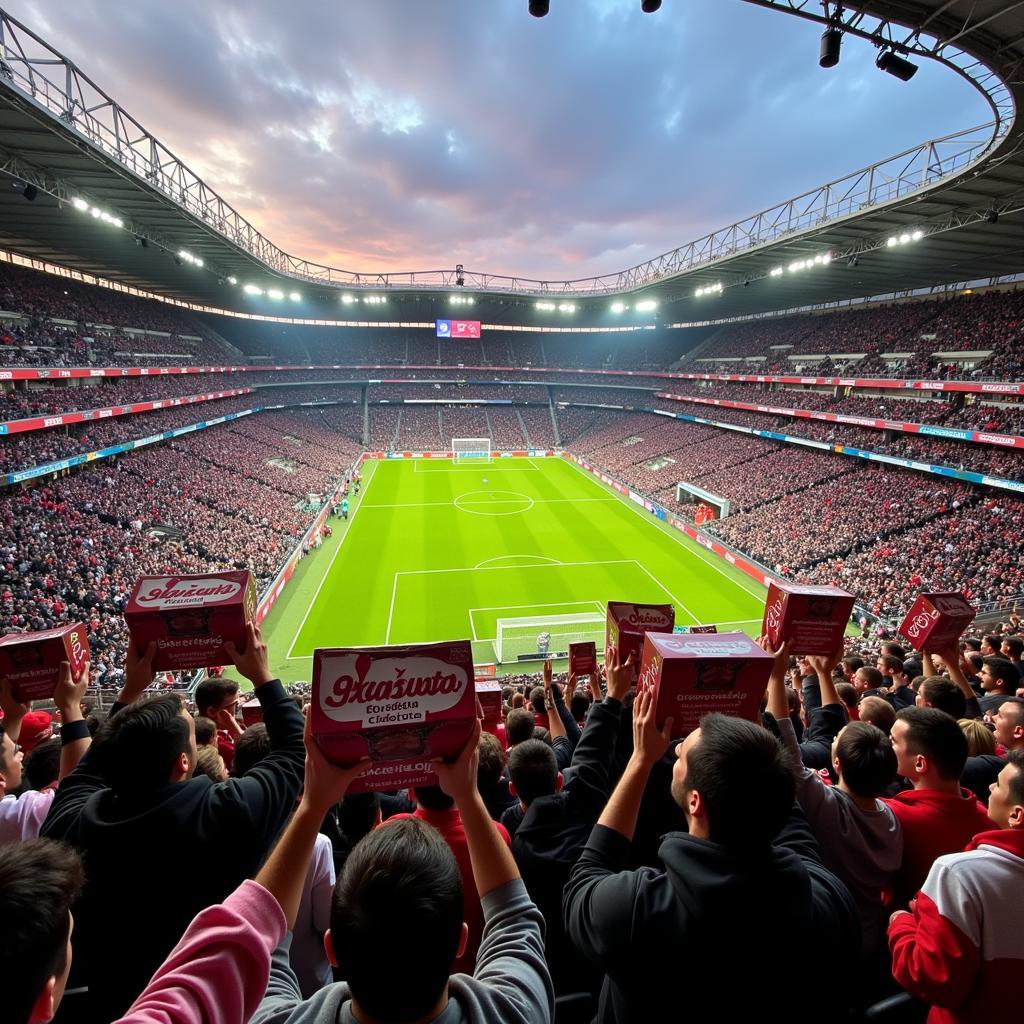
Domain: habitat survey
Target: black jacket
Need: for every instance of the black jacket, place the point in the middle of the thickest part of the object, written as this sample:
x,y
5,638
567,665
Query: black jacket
x,y
712,927
152,865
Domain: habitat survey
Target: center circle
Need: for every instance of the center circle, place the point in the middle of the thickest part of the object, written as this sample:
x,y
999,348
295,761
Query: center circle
x,y
493,503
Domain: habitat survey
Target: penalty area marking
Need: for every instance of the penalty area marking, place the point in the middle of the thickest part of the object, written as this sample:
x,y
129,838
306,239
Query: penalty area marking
x,y
504,558
569,605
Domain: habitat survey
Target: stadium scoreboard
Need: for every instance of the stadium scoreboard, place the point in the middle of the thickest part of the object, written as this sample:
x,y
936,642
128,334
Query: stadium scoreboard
x,y
457,328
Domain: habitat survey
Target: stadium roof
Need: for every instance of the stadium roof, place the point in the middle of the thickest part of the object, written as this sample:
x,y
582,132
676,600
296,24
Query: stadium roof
x,y
61,136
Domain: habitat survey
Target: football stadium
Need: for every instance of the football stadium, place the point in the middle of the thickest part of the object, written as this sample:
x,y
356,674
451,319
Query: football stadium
x,y
503,504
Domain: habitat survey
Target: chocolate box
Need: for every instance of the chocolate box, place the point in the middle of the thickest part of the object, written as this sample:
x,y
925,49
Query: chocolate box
x,y
691,675
937,620
627,624
488,692
583,658
32,660
400,706
191,617
813,619
252,712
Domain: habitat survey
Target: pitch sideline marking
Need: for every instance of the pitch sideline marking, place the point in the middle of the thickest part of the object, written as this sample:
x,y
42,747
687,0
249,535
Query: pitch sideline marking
x,y
330,565
391,610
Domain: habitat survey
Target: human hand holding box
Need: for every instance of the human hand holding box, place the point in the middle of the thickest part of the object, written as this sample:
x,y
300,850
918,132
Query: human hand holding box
x,y
812,619
936,621
627,623
31,661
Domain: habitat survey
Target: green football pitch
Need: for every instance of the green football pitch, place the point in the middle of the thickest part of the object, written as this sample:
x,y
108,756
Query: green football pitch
x,y
436,551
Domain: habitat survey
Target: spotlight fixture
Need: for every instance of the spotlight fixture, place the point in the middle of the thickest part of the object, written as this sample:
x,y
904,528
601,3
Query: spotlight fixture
x,y
538,8
232,280
646,306
545,307
619,307
28,190
649,6
992,216
460,277
831,43
892,64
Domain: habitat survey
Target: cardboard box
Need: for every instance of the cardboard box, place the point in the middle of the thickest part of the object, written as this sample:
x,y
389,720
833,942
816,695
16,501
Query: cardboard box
x,y
700,629
627,624
813,619
488,692
32,660
252,712
583,658
692,675
191,617
400,706
937,620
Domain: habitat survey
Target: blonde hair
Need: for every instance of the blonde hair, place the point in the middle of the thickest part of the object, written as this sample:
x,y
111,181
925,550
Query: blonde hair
x,y
209,762
980,739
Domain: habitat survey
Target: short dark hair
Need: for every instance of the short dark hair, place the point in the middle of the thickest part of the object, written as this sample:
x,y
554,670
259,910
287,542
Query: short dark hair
x,y
210,693
872,676
878,712
976,660
403,871
39,881
1004,670
140,744
1016,758
847,694
433,798
537,700
250,748
1016,646
852,662
971,643
894,650
744,778
937,736
519,725
492,760
866,759
579,705
945,695
533,770
994,640
42,766
891,662
206,730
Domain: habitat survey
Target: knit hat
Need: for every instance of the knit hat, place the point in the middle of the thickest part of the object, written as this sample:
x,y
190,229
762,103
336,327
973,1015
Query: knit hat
x,y
36,726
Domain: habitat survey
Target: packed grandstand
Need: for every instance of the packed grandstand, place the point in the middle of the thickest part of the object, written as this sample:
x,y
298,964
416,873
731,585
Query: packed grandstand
x,y
873,444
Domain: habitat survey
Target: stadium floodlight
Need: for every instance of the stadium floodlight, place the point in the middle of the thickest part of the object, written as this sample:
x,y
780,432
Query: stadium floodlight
x,y
79,204
539,8
567,307
709,289
252,289
831,44
547,307
275,293
189,258
916,236
348,299
295,296
776,272
892,64
232,280
905,238
650,6
646,306
619,307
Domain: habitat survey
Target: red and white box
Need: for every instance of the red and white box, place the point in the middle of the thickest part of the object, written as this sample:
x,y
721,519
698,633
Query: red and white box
x,y
32,660
702,629
402,707
812,619
488,692
627,624
692,675
252,712
583,658
937,620
191,617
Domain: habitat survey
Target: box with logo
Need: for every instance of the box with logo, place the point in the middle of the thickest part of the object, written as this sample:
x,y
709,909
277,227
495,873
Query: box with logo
x,y
31,661
691,675
700,629
583,658
937,620
627,624
400,706
252,712
812,619
191,617
488,692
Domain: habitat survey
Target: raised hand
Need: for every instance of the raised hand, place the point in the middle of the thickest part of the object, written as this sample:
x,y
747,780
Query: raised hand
x,y
253,662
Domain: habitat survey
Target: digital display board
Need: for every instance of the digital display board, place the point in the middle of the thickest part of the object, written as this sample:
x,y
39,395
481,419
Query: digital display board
x,y
458,328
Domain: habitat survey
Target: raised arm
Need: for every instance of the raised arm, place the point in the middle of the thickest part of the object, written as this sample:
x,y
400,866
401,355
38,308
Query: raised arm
x,y
75,739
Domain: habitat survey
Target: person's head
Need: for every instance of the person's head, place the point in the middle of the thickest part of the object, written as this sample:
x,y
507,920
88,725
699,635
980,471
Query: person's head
x,y
734,783
579,706
893,650
990,644
929,746
999,675
889,665
1008,721
492,762
980,739
403,871
11,758
358,813
36,727
850,664
217,694
39,881
518,701
519,726
1012,647
206,731
863,758
1006,794
537,700
433,798
867,678
210,763
942,693
42,767
878,712
250,748
533,771
974,660
147,745
847,694
972,644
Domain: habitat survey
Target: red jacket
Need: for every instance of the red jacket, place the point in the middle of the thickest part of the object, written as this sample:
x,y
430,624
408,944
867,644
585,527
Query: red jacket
x,y
962,950
933,823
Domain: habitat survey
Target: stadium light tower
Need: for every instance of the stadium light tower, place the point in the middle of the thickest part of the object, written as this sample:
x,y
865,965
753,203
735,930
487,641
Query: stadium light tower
x,y
891,63
538,8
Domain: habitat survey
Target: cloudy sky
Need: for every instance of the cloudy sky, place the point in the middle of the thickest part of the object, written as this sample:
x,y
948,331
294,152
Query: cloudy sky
x,y
416,134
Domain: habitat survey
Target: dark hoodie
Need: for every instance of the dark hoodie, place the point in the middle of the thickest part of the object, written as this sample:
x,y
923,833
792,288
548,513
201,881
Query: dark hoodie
x,y
714,927
153,863
553,833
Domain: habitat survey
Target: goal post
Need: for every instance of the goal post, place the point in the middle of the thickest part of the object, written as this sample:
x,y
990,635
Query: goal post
x,y
471,449
541,637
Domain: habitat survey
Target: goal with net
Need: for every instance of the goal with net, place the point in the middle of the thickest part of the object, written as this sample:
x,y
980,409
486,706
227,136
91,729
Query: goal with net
x,y
471,449
545,636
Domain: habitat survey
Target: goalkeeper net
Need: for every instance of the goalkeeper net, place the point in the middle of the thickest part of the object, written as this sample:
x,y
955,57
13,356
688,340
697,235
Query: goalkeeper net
x,y
545,636
471,449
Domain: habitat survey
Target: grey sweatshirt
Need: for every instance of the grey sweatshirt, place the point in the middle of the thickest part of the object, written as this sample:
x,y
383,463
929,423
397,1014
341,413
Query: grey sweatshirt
x,y
510,984
864,848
